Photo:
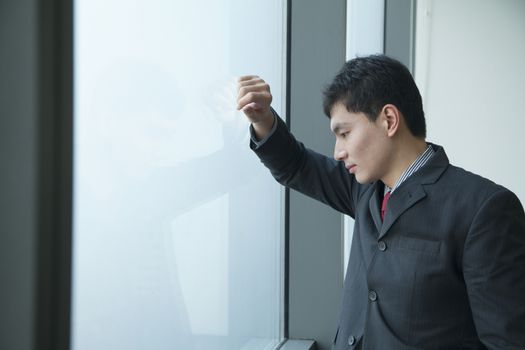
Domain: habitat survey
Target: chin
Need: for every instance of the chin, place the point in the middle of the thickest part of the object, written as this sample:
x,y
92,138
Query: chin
x,y
362,179
365,179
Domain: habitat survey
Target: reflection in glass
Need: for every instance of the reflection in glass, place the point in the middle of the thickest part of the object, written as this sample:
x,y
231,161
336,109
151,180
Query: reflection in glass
x,y
177,226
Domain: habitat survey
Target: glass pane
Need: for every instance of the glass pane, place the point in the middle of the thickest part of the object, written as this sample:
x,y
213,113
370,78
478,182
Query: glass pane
x,y
177,226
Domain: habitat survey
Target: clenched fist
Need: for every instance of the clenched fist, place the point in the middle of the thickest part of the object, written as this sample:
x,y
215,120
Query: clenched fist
x,y
254,100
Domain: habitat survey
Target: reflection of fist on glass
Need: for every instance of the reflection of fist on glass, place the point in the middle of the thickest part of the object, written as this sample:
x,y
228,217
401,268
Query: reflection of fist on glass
x,y
221,105
254,100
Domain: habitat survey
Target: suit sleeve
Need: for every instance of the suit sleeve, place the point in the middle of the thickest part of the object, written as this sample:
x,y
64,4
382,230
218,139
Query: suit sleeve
x,y
308,172
494,271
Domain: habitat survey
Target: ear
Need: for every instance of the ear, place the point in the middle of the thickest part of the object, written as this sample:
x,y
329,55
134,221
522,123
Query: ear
x,y
391,119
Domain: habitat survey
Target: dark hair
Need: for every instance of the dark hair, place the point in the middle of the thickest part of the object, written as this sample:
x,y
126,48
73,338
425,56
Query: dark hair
x,y
366,84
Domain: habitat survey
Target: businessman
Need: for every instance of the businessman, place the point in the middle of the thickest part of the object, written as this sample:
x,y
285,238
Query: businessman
x,y
438,253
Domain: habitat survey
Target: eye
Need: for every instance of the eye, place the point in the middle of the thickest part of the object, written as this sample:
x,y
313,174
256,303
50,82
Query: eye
x,y
344,134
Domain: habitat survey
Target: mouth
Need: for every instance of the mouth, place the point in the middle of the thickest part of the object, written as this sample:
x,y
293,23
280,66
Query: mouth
x,y
351,168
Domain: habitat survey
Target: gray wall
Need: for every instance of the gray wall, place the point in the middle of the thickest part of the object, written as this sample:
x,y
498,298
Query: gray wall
x,y
316,277
18,121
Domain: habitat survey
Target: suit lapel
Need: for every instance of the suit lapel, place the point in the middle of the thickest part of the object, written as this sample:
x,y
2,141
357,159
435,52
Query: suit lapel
x,y
411,191
374,204
399,202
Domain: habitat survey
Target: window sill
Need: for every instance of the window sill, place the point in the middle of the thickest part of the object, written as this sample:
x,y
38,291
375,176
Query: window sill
x,y
298,345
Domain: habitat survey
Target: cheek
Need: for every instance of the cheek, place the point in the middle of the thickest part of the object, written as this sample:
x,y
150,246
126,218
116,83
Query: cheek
x,y
378,156
364,147
371,153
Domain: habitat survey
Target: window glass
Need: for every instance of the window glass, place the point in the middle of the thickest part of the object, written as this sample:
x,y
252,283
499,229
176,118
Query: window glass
x,y
177,225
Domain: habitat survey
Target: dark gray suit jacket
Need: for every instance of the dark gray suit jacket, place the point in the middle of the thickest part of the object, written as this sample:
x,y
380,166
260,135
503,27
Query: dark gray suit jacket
x,y
446,268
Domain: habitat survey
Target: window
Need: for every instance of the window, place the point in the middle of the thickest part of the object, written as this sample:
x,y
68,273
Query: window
x,y
177,225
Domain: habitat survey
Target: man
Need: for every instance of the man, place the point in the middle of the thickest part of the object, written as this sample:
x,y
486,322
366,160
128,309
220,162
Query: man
x,y
438,253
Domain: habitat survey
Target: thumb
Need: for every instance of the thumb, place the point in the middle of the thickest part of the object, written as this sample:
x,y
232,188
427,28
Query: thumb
x,y
252,107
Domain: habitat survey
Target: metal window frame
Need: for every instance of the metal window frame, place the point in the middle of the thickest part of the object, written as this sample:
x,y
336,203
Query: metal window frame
x,y
38,38
317,37
400,31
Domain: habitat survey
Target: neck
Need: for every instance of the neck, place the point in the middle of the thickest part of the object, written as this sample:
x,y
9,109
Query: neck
x,y
404,155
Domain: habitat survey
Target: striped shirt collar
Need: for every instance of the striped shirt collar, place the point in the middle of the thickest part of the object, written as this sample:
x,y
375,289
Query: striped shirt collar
x,y
415,166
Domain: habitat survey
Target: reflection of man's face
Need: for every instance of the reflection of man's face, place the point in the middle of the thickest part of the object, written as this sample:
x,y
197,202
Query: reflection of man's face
x,y
142,119
139,94
136,110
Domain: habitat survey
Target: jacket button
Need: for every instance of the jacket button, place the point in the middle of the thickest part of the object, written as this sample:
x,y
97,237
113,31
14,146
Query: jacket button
x,y
372,296
381,245
351,340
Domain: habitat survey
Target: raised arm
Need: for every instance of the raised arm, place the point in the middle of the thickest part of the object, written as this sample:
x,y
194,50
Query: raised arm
x,y
291,164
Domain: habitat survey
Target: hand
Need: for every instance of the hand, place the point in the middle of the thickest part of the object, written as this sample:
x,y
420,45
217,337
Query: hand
x,y
254,100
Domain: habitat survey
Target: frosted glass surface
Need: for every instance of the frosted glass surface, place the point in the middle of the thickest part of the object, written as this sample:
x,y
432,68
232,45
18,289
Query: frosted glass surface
x,y
177,226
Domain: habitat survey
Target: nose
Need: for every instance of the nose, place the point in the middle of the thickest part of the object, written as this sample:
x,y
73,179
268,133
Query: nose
x,y
339,153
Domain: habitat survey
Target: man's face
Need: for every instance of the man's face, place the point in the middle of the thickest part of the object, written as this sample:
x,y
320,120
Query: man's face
x,y
362,145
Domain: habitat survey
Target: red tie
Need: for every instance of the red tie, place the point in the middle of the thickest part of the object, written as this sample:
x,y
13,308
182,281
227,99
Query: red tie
x,y
383,205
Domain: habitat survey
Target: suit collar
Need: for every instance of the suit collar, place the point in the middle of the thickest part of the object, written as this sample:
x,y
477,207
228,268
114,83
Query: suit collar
x,y
432,170
409,192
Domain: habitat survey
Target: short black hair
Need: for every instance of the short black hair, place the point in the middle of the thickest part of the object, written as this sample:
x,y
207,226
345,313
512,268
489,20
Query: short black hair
x,y
366,84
